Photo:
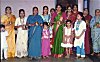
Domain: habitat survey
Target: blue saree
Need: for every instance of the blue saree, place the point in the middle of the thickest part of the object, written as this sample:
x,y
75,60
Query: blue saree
x,y
95,34
34,36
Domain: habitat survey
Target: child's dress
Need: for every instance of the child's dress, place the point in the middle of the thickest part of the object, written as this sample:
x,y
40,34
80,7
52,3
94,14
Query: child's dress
x,y
45,42
4,45
67,42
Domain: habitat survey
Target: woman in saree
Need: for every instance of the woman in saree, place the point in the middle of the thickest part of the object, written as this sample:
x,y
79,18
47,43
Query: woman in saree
x,y
75,11
95,32
57,18
87,33
8,19
34,34
22,35
70,15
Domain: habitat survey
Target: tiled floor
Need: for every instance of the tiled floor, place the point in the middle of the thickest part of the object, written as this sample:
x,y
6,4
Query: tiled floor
x,y
52,59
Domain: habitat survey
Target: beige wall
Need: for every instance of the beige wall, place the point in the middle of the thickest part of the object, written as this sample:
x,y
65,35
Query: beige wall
x,y
94,4
26,4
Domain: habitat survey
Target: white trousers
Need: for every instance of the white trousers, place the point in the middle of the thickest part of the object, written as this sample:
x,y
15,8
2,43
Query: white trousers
x,y
4,50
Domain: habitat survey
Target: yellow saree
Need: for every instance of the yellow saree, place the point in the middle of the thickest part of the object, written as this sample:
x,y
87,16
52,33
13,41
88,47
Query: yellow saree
x,y
9,26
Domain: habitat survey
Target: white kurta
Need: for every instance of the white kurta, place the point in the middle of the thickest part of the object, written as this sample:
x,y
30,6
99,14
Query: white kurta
x,y
82,26
22,37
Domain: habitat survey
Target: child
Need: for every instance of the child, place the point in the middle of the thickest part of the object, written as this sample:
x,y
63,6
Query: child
x,y
4,45
80,27
45,40
67,37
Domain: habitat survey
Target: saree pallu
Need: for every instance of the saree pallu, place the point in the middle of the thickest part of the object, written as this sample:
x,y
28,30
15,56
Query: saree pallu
x,y
11,34
58,37
96,39
87,35
95,34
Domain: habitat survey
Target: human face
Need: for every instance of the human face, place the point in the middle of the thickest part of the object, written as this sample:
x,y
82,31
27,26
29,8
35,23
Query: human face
x,y
22,14
85,12
75,8
79,17
2,29
35,11
59,8
45,10
97,13
68,24
52,11
69,9
45,27
8,11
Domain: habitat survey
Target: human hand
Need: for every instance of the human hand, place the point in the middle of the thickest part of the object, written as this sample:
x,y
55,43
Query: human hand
x,y
77,37
36,23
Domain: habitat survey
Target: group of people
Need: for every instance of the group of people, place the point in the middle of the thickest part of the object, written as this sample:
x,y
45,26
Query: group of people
x,y
50,34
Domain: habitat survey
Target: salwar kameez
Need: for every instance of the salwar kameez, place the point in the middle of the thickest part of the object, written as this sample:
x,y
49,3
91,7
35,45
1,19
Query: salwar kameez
x,y
79,26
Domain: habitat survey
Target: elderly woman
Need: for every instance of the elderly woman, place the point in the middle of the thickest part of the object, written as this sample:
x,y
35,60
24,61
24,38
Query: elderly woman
x,y
95,31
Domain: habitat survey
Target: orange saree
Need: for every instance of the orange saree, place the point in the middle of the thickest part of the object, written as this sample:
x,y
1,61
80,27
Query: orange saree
x,y
9,26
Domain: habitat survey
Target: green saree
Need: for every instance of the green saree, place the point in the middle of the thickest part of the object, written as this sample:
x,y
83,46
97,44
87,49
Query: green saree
x,y
57,49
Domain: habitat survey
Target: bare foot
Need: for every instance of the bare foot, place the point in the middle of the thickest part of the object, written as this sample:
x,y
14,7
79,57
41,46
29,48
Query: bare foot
x,y
47,56
59,55
92,54
44,57
99,54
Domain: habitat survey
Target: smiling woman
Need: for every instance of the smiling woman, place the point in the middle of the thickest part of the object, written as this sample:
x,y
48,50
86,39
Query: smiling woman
x,y
9,20
22,35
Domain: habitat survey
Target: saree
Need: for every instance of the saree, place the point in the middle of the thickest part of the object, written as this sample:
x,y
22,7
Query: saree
x,y
11,33
22,37
34,36
58,36
87,34
95,34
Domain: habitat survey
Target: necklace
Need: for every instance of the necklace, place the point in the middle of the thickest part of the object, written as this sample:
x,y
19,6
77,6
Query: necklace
x,y
22,21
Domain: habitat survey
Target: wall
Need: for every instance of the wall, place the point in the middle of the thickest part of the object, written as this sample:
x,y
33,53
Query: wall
x,y
26,4
94,4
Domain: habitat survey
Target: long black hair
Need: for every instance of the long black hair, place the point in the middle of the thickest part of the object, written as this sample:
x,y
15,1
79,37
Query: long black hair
x,y
44,8
45,23
22,11
52,9
2,26
60,6
34,8
81,14
7,8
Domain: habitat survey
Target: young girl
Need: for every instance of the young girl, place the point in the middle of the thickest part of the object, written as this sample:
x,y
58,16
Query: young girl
x,y
45,40
80,27
4,45
67,37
